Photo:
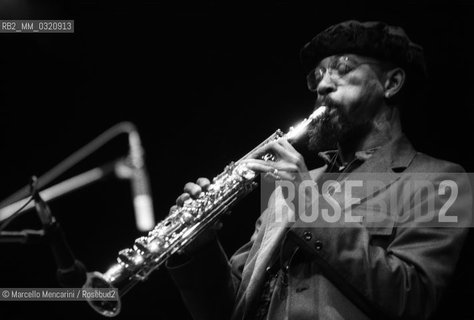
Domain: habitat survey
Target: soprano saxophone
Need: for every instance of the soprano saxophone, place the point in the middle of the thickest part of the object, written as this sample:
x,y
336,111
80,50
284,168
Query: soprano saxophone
x,y
182,226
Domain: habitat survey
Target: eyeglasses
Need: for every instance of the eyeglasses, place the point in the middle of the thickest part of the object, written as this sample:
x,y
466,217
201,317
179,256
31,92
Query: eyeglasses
x,y
336,69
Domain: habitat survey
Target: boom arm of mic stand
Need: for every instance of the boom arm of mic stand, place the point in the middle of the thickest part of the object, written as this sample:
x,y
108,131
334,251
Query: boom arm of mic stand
x,y
64,187
73,159
23,237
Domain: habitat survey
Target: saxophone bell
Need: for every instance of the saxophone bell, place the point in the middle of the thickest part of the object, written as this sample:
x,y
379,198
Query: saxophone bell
x,y
107,308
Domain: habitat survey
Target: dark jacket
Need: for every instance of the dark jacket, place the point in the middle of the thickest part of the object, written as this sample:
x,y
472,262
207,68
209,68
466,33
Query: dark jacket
x,y
395,266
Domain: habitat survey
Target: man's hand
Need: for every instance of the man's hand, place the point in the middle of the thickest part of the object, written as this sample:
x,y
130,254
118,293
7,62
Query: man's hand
x,y
288,165
192,191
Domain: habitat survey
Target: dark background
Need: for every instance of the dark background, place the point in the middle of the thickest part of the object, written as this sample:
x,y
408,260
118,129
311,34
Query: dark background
x,y
204,83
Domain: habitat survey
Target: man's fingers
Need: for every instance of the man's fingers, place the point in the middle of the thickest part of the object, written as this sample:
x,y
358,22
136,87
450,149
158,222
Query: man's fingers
x,y
266,166
182,198
286,150
258,165
281,148
262,151
173,209
286,144
193,189
203,183
289,147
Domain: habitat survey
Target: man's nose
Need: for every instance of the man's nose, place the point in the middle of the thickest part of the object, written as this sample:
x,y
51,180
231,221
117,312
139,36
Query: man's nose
x,y
326,85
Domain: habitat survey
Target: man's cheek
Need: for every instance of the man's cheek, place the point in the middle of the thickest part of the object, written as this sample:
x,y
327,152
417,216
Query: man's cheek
x,y
349,98
345,94
372,96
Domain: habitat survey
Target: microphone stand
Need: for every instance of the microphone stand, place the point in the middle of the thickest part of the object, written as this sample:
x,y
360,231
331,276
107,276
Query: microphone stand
x,y
71,273
73,159
132,168
79,181
26,236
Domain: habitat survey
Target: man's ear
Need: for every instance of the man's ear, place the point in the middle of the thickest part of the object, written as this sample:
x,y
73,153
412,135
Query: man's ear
x,y
394,80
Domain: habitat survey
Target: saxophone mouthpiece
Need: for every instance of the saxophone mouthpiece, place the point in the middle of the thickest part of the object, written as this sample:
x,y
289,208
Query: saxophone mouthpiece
x,y
300,129
318,112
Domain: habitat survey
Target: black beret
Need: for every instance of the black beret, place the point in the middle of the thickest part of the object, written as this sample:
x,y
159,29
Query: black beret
x,y
372,39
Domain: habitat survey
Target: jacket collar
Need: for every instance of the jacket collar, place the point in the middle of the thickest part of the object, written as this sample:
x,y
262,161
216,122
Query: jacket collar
x,y
385,166
396,155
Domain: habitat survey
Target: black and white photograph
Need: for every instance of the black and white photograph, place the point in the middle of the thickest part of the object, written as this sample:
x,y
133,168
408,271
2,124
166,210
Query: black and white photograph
x,y
206,160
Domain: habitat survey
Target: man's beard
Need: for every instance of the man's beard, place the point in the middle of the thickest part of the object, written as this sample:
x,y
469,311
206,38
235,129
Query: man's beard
x,y
333,128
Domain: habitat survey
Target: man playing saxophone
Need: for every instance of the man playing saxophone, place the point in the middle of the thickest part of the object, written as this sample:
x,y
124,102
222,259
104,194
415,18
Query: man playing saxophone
x,y
394,267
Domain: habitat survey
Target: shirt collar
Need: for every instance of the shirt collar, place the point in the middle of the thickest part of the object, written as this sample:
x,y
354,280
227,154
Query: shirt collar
x,y
330,155
397,155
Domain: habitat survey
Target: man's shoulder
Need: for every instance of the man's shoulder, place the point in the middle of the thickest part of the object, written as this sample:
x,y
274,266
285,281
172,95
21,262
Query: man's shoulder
x,y
426,163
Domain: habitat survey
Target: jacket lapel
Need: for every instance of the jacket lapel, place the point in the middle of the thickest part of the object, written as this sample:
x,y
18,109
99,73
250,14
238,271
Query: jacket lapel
x,y
274,232
378,172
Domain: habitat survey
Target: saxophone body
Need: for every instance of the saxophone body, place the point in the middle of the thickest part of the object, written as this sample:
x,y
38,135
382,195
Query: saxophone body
x,y
182,226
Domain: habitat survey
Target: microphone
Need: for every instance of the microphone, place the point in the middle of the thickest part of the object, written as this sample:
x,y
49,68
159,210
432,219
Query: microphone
x,y
142,199
71,273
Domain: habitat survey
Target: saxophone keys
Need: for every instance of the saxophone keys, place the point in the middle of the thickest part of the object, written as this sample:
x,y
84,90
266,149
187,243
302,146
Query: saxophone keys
x,y
244,172
114,272
155,246
141,245
187,217
130,259
269,157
